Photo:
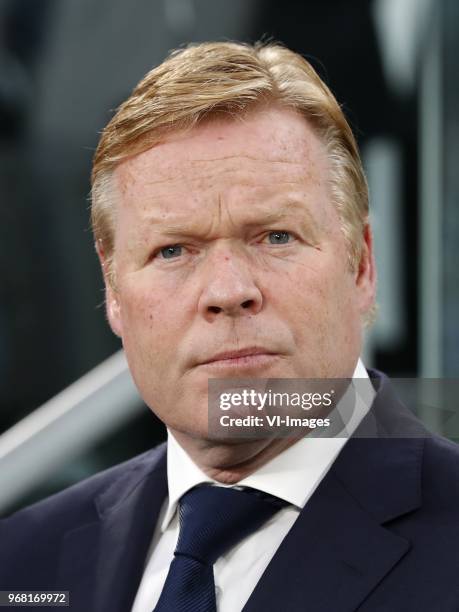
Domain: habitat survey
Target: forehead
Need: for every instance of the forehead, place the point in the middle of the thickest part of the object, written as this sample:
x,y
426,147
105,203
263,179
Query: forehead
x,y
263,150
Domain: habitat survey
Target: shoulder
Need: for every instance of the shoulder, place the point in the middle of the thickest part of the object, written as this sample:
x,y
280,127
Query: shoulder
x,y
440,471
77,504
32,538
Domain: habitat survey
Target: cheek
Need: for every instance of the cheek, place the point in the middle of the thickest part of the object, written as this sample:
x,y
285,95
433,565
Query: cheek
x,y
304,291
316,299
150,324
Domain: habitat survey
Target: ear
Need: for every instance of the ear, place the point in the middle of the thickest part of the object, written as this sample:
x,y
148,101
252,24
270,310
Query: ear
x,y
112,306
365,278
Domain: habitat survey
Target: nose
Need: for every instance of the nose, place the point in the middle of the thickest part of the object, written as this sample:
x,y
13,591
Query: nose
x,y
229,288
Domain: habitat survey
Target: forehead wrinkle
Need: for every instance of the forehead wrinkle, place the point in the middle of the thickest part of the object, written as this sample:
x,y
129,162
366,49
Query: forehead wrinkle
x,y
238,156
178,177
261,183
129,175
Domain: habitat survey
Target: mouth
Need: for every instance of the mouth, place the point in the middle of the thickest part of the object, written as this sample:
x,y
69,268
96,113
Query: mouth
x,y
250,357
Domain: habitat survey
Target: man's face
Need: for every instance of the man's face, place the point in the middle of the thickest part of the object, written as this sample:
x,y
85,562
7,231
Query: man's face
x,y
226,240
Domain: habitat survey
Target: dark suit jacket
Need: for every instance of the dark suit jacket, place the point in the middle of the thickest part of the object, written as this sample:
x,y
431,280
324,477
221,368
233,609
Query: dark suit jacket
x,y
380,533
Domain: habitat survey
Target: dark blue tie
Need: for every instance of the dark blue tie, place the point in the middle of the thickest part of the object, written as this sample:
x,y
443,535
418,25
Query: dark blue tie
x,y
212,520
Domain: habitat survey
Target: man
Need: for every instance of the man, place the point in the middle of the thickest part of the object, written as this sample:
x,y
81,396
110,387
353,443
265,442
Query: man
x,y
230,214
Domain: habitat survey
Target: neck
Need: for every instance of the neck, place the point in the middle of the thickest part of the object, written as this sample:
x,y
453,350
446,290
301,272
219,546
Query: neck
x,y
229,463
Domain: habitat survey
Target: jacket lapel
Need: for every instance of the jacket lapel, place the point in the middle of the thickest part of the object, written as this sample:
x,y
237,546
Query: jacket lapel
x,y
339,548
102,563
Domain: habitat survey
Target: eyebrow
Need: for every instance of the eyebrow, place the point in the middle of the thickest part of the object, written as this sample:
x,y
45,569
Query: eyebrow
x,y
260,218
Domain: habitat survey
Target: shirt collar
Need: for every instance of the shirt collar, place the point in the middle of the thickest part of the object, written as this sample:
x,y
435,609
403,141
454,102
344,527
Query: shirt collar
x,y
293,475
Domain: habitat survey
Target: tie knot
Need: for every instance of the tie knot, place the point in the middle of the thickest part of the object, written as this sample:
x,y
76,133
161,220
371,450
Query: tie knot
x,y
213,519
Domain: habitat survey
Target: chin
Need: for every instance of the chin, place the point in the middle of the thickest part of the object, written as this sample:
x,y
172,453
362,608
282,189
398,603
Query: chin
x,y
209,438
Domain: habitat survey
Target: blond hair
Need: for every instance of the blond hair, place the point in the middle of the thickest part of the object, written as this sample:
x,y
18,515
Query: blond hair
x,y
206,80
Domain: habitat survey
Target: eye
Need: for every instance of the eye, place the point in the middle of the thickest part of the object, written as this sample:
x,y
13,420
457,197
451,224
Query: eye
x,y
171,251
279,237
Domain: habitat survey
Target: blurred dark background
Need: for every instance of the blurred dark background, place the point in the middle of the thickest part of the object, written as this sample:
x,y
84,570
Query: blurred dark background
x,y
64,67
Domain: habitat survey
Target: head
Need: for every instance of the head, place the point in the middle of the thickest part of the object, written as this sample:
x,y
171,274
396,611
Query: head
x,y
206,81
230,211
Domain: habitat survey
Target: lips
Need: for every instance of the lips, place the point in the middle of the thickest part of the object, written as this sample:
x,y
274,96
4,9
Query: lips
x,y
245,355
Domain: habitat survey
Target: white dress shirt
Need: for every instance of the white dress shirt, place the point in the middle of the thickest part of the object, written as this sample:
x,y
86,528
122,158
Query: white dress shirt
x,y
292,476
